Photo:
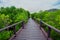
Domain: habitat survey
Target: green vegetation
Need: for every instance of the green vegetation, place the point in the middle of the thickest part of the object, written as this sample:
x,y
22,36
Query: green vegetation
x,y
11,15
50,17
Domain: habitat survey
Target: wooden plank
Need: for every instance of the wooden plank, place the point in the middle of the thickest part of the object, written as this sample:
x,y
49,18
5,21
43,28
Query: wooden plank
x,y
31,31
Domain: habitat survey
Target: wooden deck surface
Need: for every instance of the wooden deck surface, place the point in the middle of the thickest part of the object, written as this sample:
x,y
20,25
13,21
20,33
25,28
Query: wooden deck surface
x,y
30,32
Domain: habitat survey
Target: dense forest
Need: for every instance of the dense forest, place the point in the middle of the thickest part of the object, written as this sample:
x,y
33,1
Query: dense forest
x,y
51,17
9,16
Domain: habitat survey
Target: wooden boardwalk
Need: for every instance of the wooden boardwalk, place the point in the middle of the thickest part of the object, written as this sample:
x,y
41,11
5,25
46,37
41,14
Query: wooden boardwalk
x,y
30,32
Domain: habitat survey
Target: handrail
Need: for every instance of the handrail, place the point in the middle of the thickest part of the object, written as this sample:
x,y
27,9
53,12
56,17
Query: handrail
x,y
51,27
14,27
10,26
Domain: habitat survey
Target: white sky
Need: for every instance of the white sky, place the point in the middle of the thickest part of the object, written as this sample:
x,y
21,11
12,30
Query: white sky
x,y
31,5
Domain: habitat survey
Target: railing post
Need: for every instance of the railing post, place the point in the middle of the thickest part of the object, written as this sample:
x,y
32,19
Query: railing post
x,y
40,24
49,32
23,25
14,30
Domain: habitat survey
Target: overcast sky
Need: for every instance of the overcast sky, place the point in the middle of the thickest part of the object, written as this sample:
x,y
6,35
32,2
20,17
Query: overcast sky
x,y
32,5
